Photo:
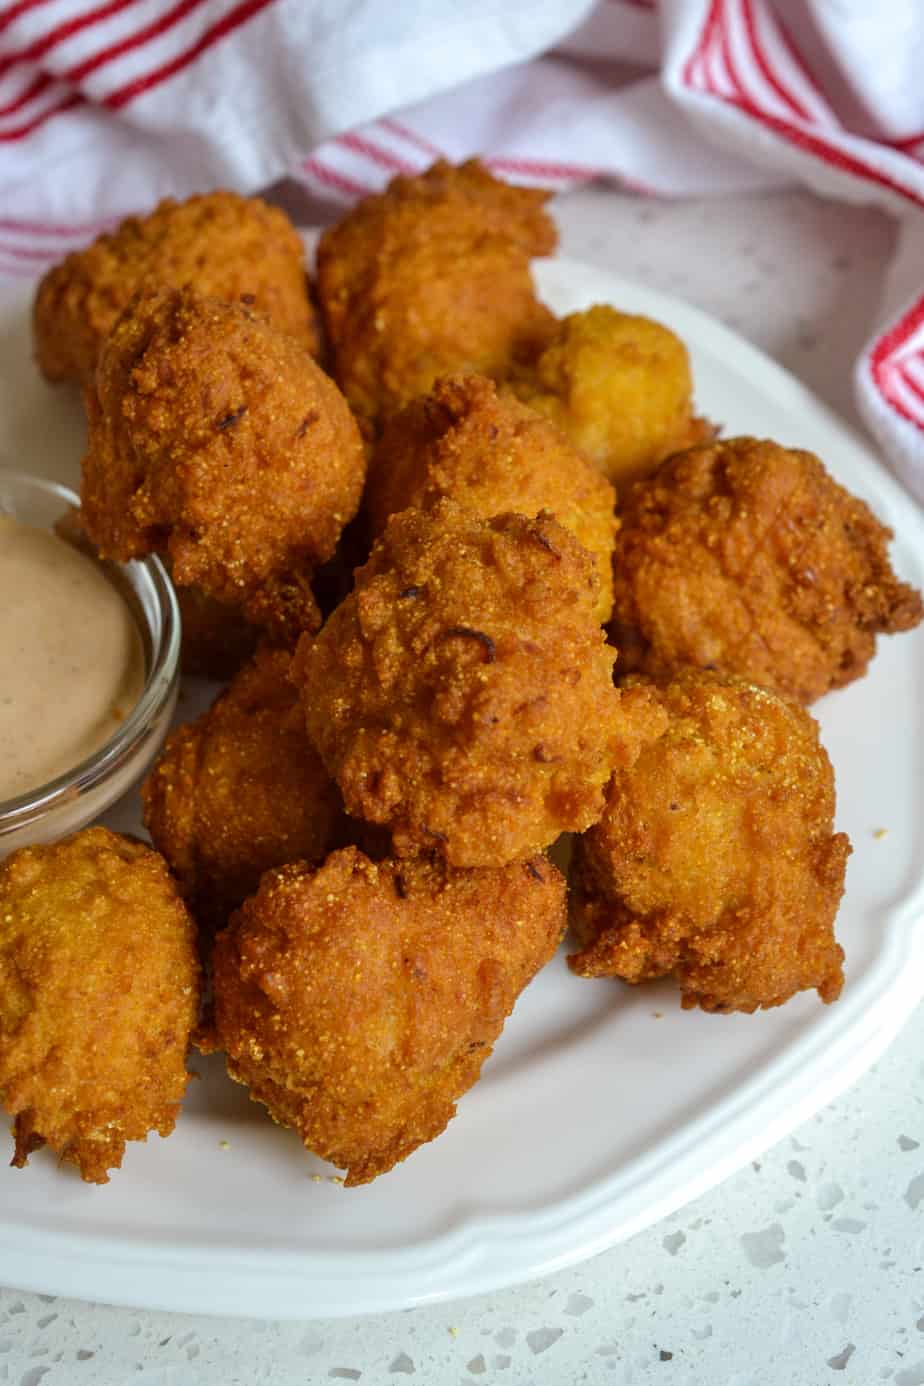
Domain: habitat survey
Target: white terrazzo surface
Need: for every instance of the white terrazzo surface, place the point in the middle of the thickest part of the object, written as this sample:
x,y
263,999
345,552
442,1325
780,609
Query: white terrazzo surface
x,y
806,1268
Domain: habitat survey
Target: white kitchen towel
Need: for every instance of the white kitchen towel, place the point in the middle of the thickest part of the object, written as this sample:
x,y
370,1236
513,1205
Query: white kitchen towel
x,y
106,107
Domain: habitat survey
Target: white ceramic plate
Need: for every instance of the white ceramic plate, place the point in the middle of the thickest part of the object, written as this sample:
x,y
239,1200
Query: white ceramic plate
x,y
603,1107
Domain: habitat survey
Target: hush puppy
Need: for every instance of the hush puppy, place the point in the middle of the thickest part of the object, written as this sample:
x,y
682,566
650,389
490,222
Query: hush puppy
x,y
715,861
240,790
217,440
220,244
99,993
747,557
430,277
462,694
492,454
619,387
359,1002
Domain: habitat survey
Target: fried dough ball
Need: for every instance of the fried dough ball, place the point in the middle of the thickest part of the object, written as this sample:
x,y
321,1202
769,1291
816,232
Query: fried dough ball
x,y
99,992
219,244
462,694
239,790
619,387
217,440
430,277
749,558
715,860
359,1002
491,454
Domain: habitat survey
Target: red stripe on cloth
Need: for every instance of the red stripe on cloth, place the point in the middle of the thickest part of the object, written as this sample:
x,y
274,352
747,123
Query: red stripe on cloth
x,y
360,144
697,59
566,173
913,367
810,143
538,168
14,11
44,228
132,41
903,398
219,30
721,75
882,357
20,132
23,252
906,143
411,136
40,46
911,376
34,88
708,60
792,48
315,168
770,76
728,58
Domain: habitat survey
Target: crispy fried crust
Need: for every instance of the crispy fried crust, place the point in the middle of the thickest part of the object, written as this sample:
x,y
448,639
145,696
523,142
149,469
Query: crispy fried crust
x,y
715,860
99,992
216,439
240,790
430,277
359,1002
492,454
749,558
462,694
222,245
619,387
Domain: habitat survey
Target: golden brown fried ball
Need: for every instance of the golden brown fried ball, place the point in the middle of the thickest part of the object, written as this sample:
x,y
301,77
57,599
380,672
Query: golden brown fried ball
x,y
462,694
749,558
430,277
240,790
359,1002
715,860
99,992
619,387
219,441
219,244
492,454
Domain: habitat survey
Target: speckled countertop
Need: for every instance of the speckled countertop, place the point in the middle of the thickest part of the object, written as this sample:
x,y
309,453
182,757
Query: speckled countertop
x,y
805,1268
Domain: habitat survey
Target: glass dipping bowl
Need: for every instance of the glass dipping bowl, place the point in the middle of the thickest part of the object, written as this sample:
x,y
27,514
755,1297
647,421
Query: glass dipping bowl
x,y
74,799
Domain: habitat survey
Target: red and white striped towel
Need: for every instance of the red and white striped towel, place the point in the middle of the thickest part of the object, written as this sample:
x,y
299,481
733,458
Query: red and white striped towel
x,y
105,107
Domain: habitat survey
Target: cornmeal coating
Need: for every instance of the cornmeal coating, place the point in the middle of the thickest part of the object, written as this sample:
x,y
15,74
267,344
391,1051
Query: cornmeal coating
x,y
430,277
239,790
220,244
492,454
747,557
462,694
715,861
217,440
99,993
619,387
360,1001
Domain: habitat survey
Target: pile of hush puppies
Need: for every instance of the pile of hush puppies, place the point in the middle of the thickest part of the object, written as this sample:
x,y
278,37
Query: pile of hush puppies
x,y
416,530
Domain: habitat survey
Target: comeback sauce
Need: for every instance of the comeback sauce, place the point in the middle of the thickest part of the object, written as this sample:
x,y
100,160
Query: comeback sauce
x,y
71,660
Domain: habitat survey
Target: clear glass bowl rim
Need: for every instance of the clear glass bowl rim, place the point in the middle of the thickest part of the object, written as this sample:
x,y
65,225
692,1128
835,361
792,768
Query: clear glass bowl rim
x,y
163,673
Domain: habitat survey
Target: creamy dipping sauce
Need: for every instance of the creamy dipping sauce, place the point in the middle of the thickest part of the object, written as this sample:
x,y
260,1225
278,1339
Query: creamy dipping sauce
x,y
71,659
